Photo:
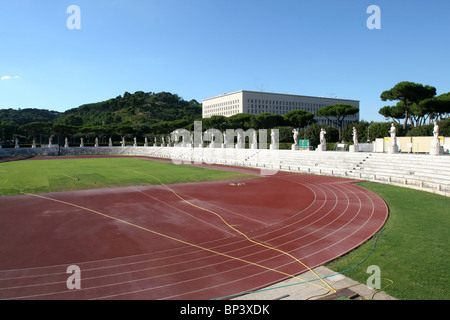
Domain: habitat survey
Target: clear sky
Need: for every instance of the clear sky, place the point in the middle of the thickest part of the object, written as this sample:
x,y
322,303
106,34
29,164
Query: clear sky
x,y
203,48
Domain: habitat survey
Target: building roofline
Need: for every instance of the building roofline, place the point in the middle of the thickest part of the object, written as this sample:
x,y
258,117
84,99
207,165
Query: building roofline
x,y
279,94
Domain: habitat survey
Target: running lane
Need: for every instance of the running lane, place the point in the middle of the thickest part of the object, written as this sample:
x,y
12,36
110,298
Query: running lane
x,y
184,241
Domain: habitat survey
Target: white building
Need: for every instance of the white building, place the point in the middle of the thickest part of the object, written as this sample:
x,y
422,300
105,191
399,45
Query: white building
x,y
258,102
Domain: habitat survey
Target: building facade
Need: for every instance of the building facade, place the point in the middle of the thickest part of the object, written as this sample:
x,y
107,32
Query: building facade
x,y
254,102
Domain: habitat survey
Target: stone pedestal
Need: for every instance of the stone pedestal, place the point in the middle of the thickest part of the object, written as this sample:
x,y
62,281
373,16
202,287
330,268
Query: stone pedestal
x,y
273,147
254,146
393,149
294,147
353,148
321,147
435,150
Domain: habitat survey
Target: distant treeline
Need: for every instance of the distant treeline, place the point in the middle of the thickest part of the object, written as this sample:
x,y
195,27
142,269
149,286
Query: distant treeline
x,y
153,115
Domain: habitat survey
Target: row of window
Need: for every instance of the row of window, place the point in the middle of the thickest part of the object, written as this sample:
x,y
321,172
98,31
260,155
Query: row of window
x,y
223,104
285,103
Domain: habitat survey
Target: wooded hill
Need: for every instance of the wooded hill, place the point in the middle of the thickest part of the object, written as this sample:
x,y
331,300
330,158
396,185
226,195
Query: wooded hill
x,y
137,114
133,109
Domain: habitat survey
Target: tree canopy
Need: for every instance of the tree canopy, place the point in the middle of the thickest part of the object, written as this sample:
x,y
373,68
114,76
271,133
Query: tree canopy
x,y
410,94
299,118
336,113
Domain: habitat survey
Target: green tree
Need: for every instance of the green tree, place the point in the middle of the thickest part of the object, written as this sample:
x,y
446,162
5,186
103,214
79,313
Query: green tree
x,y
381,130
361,128
312,133
240,121
299,118
215,122
409,93
267,120
396,113
336,113
436,107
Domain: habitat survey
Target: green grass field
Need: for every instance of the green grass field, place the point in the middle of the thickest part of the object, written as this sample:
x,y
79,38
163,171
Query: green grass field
x,y
43,176
413,249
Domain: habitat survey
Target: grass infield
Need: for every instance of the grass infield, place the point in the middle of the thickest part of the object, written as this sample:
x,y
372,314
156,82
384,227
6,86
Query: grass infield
x,y
413,249
44,176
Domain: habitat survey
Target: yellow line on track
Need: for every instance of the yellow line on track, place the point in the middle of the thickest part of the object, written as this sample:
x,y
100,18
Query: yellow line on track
x,y
246,237
198,246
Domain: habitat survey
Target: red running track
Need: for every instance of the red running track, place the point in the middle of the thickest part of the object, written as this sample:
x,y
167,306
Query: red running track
x,y
313,218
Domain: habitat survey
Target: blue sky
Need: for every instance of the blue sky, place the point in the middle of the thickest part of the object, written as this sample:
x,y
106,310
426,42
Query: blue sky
x,y
202,48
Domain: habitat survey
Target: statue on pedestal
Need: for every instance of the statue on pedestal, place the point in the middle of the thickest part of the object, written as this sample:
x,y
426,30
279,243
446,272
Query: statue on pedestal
x,y
436,134
323,142
295,131
436,148
355,146
355,136
393,133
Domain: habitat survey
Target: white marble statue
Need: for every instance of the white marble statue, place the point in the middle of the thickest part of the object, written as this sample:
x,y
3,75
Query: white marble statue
x,y
323,141
355,136
295,132
393,133
436,131
436,148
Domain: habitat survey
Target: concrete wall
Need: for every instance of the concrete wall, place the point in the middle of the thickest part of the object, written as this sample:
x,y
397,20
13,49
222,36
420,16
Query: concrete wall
x,y
411,144
28,152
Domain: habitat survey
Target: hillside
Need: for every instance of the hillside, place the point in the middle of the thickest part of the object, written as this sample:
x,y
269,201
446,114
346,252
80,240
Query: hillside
x,y
133,109
24,116
128,115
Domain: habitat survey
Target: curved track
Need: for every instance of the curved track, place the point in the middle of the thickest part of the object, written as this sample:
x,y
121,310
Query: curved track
x,y
150,243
